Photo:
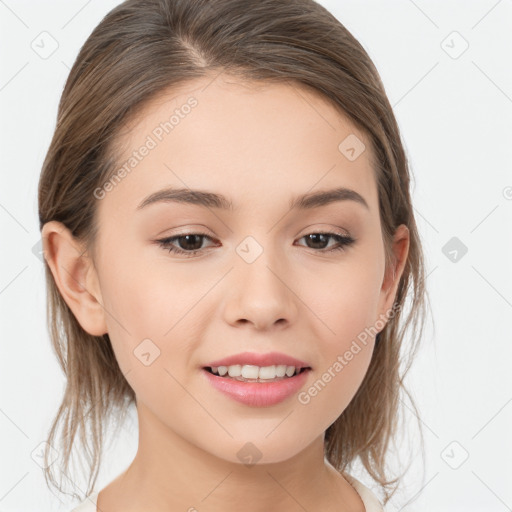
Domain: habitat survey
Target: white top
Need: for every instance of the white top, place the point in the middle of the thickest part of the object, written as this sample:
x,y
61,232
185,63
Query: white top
x,y
370,501
89,504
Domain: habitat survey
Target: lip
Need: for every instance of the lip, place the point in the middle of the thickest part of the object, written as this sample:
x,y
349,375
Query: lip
x,y
258,394
255,359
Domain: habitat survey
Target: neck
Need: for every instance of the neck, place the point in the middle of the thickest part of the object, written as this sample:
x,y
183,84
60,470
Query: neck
x,y
171,473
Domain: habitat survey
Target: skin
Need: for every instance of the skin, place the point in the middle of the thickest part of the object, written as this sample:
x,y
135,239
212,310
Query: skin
x,y
259,146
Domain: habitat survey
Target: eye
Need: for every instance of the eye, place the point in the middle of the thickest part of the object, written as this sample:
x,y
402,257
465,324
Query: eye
x,y
190,243
319,238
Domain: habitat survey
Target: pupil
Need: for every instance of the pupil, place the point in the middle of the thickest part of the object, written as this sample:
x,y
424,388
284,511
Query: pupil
x,y
194,246
315,236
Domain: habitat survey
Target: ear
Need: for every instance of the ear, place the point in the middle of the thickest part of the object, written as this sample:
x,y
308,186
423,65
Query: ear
x,y
75,276
400,250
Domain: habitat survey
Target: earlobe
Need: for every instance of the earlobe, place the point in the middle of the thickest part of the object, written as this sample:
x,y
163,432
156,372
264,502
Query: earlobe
x,y
75,276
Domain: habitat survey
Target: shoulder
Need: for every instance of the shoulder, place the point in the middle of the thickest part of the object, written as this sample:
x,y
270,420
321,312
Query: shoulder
x,y
369,499
88,505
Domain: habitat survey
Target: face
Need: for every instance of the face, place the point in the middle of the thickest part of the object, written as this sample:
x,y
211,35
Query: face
x,y
184,283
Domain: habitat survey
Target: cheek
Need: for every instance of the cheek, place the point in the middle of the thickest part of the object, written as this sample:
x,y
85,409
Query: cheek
x,y
147,329
140,298
149,311
346,301
347,305
345,347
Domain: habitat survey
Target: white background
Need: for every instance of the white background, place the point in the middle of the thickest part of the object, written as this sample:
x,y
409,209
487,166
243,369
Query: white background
x,y
455,115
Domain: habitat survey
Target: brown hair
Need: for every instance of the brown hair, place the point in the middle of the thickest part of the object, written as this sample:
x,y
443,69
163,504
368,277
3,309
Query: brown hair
x,y
143,47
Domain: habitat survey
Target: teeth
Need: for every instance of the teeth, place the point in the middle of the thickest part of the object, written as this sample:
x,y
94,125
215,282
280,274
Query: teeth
x,y
235,370
281,370
290,370
251,372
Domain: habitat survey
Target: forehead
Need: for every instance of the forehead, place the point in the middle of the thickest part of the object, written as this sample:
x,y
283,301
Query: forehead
x,y
243,139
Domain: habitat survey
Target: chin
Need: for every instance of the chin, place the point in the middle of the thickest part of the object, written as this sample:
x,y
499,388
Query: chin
x,y
259,449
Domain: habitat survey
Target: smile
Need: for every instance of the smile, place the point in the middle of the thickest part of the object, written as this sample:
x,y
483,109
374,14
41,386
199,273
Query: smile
x,y
253,373
257,392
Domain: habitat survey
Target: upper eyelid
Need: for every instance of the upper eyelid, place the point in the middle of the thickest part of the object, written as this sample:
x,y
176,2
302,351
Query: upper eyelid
x,y
310,230
174,237
206,235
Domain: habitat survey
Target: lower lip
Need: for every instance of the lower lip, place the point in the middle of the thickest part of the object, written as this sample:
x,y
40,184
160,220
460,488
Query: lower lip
x,y
258,394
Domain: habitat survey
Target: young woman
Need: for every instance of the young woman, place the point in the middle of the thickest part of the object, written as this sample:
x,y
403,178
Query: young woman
x,y
229,241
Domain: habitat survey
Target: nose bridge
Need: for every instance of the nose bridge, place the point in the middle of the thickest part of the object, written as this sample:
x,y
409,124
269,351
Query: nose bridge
x,y
261,291
258,263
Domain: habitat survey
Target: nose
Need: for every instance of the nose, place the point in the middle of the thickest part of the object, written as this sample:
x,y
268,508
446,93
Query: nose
x,y
261,293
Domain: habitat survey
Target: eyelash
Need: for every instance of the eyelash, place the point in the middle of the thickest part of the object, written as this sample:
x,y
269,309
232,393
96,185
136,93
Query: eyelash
x,y
166,243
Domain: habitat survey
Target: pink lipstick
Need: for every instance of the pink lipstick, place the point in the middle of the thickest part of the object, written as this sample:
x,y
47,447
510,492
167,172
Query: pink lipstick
x,y
257,380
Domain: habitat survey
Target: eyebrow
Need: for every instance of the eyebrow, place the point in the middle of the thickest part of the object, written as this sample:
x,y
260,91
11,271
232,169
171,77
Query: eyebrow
x,y
218,201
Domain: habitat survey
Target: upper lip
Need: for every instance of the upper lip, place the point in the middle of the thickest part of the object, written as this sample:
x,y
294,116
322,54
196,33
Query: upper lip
x,y
255,359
